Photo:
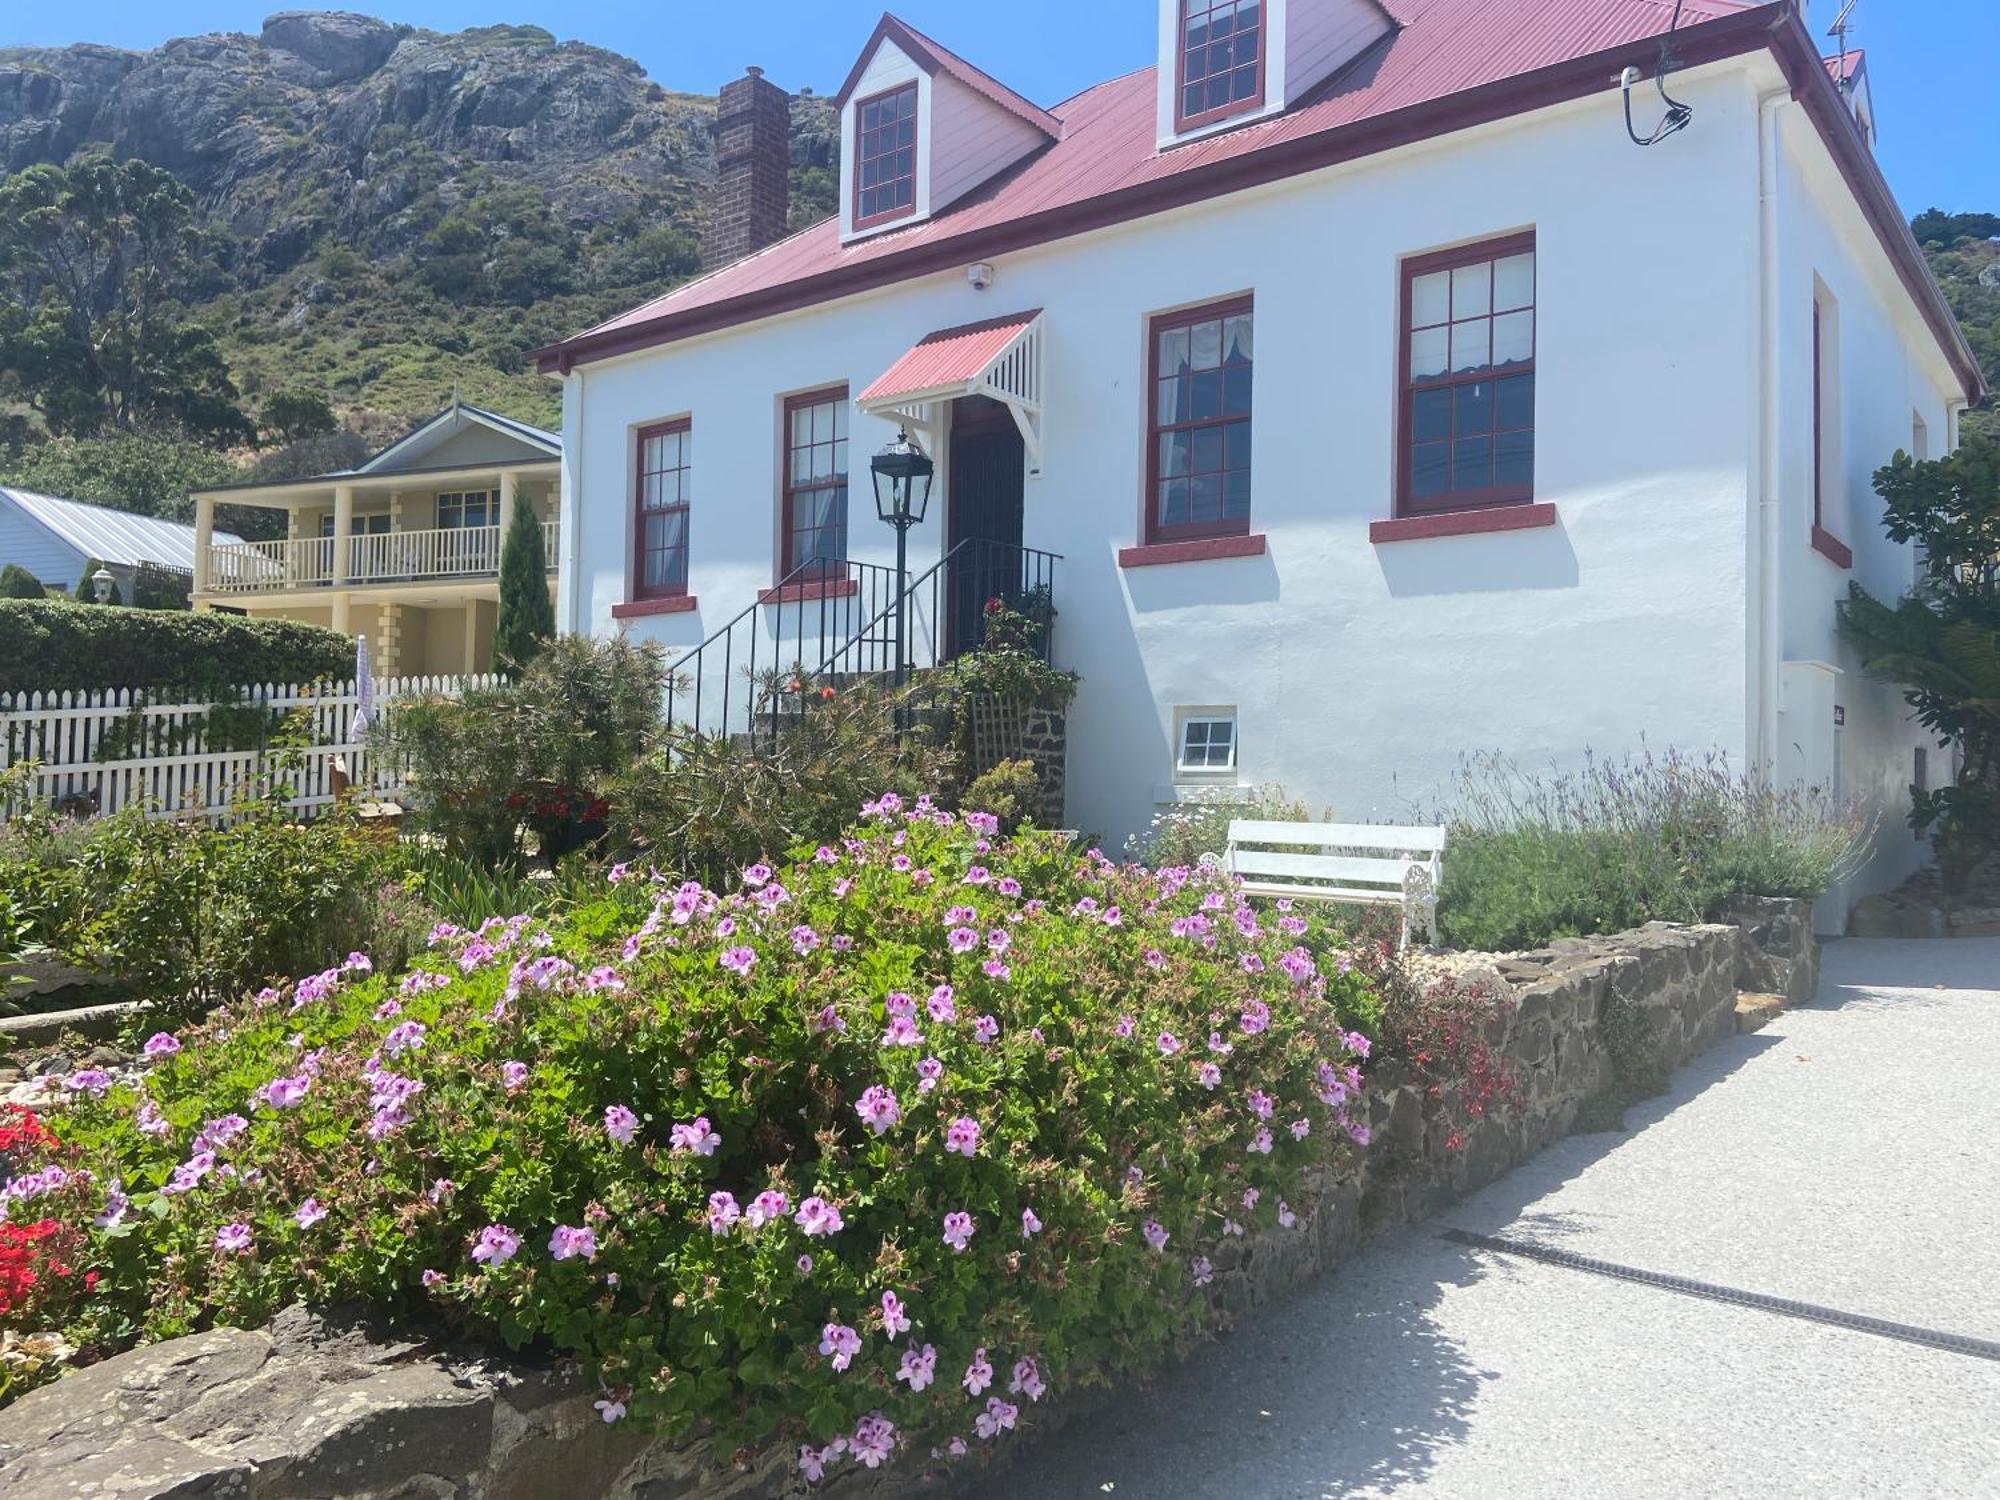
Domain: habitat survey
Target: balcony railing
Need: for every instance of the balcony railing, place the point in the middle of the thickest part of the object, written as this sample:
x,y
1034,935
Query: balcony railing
x,y
378,557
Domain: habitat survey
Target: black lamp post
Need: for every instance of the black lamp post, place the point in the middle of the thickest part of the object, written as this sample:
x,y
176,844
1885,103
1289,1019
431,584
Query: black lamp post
x,y
902,491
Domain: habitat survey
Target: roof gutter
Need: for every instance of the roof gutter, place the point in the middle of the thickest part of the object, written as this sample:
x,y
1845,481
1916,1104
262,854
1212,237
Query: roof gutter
x,y
1775,27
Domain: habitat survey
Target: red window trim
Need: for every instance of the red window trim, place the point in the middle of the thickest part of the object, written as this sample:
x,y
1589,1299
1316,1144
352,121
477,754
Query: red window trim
x,y
638,589
786,489
888,216
1151,532
1185,122
1420,265
1153,554
1463,522
1824,542
797,593
659,604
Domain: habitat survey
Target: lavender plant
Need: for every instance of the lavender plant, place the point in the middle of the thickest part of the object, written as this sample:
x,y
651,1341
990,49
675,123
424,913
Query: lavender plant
x,y
1617,843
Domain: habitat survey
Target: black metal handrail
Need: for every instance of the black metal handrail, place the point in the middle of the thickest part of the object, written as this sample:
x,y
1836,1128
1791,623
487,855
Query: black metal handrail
x,y
813,604
957,589
757,670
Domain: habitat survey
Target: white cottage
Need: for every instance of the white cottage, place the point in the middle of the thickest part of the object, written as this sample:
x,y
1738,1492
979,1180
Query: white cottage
x,y
1356,384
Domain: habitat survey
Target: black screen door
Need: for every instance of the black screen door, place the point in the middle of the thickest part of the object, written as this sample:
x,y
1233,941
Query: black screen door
x,y
987,467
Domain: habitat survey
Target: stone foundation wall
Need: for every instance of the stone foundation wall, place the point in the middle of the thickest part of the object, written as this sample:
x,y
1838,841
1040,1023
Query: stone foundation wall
x,y
305,1408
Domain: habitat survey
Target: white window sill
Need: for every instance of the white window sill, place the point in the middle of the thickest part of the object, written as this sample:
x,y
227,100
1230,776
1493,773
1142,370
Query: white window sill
x,y
1219,790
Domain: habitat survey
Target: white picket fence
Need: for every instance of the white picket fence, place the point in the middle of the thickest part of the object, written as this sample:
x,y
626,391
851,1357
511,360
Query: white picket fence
x,y
108,749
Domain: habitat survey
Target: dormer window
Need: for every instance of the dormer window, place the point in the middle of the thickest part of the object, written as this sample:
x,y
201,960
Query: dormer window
x,y
885,175
1222,60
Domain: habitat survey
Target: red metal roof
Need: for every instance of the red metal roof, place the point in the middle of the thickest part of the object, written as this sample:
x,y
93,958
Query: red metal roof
x,y
1450,64
935,59
1842,68
949,357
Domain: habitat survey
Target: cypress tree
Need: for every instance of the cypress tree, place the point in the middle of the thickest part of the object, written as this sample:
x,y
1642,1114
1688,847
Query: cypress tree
x,y
527,615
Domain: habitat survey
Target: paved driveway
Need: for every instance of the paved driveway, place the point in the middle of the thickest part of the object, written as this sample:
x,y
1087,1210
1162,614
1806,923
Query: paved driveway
x,y
1847,1156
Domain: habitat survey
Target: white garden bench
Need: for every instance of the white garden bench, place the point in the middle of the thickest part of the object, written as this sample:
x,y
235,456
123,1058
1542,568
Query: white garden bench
x,y
1360,864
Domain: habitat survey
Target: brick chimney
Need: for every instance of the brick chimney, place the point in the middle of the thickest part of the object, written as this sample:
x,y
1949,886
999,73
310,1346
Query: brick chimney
x,y
753,162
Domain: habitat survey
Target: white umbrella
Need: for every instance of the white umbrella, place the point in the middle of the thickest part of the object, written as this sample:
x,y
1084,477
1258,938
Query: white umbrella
x,y
364,688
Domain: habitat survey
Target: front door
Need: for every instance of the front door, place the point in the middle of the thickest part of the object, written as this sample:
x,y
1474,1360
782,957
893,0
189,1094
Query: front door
x,y
987,466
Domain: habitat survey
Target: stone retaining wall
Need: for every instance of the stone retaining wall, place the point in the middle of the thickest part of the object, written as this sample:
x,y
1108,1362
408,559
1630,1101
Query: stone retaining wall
x,y
305,1408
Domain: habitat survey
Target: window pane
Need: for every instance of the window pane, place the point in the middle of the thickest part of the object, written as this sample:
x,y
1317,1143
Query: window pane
x,y
1245,81
1173,453
1237,339
1427,352
1515,401
1207,449
1173,350
1471,463
1471,290
1430,469
1430,415
1513,338
1471,345
1236,446
1236,391
1174,502
1206,501
1472,408
1514,458
1206,339
1514,282
1205,403
1236,494
1430,299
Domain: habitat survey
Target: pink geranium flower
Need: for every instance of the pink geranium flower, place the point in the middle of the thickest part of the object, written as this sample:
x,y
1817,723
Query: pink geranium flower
x,y
569,1240
817,1217
958,1230
233,1239
620,1124
697,1136
878,1109
978,1374
1155,1234
497,1245
962,1136
1030,1225
309,1213
919,1367
840,1341
894,1319
738,960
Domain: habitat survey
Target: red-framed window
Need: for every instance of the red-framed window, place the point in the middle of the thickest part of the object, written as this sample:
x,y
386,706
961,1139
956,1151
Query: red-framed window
x,y
885,156
1221,60
814,516
662,493
1198,422
1819,415
1467,419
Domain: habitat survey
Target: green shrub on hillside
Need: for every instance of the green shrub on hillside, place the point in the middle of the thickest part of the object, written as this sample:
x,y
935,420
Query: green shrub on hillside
x,y
54,645
868,1153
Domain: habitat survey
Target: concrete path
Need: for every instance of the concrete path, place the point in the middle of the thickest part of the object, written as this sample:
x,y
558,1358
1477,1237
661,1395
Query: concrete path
x,y
1848,1156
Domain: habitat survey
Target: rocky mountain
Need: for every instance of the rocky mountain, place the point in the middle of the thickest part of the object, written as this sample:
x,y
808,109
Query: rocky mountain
x,y
393,211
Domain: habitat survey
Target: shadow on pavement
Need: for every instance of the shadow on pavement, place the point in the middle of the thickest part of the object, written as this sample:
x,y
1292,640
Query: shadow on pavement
x,y
1347,1387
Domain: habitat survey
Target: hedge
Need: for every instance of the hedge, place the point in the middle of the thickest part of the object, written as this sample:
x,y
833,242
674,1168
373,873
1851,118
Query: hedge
x,y
51,645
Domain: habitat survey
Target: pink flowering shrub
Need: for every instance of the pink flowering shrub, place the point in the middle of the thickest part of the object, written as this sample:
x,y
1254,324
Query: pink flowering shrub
x,y
790,1162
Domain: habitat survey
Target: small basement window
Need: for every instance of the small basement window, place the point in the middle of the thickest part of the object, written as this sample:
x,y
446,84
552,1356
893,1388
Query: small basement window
x,y
1207,743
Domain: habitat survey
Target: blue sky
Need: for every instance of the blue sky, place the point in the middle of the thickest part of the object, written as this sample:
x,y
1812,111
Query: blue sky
x,y
1934,64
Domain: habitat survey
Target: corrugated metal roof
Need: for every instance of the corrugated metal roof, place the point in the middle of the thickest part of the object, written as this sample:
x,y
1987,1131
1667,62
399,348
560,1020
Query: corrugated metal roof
x,y
113,536
951,356
1109,132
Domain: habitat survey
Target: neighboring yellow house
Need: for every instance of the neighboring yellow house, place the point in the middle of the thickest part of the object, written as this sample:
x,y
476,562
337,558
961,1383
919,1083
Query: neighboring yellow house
x,y
420,526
